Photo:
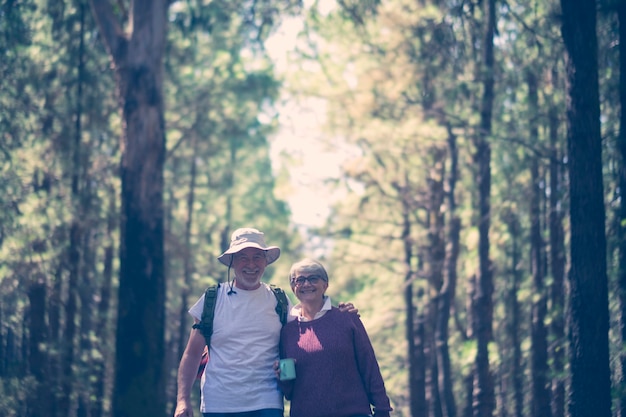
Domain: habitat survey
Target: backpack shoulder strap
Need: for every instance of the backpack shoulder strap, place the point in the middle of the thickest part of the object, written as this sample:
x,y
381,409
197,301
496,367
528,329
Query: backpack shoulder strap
x,y
282,306
206,321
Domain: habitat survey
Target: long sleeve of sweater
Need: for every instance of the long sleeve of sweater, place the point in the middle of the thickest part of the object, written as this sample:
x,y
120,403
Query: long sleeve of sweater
x,y
370,371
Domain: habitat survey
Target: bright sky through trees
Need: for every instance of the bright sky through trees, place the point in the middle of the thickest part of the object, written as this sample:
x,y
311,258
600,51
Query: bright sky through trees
x,y
300,145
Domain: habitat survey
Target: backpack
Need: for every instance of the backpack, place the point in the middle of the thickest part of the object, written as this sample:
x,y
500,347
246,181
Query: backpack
x,y
205,325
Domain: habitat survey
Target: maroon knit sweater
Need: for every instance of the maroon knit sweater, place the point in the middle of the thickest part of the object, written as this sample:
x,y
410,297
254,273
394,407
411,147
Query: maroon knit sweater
x,y
337,374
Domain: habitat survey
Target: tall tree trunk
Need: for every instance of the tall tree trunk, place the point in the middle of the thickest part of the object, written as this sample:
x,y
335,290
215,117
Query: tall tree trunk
x,y
470,379
37,358
484,396
103,329
3,350
539,345
86,255
417,395
184,296
9,353
557,260
539,348
421,403
87,328
435,257
86,367
448,289
68,348
468,384
139,381
513,309
622,209
501,392
590,388
54,336
76,240
436,410
183,315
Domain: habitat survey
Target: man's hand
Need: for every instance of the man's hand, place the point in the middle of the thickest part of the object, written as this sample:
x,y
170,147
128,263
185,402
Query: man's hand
x,y
348,308
183,409
277,369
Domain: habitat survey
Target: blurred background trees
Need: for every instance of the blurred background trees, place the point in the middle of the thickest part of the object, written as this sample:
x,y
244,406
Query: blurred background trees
x,y
454,233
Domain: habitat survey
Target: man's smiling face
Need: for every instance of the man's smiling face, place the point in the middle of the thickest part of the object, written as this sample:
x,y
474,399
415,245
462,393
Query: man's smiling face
x,y
249,265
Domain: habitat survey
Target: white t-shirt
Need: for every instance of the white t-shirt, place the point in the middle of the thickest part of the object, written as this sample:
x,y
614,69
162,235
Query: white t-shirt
x,y
246,332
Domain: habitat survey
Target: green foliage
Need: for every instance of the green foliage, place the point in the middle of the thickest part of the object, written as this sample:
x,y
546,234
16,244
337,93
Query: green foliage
x,y
13,394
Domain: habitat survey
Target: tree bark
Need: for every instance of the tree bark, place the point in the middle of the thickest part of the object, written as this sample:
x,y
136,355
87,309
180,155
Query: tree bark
x,y
39,403
557,261
517,368
139,381
81,193
448,289
103,329
54,336
590,388
419,402
417,394
188,267
484,396
3,350
539,345
75,250
435,259
621,227
185,292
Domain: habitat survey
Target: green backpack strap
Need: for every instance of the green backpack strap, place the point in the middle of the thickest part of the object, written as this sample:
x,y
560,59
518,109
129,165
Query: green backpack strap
x,y
205,325
282,306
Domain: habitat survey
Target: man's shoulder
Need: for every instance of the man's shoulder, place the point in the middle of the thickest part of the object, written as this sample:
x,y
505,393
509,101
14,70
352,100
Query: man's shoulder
x,y
272,287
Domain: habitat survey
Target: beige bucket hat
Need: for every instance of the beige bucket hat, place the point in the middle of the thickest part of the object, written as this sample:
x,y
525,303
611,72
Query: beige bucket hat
x,y
248,237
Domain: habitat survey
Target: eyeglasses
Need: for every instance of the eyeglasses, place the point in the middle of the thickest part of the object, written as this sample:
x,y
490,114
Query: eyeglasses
x,y
313,280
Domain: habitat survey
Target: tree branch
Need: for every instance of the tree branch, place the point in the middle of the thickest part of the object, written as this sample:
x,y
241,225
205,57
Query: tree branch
x,y
112,33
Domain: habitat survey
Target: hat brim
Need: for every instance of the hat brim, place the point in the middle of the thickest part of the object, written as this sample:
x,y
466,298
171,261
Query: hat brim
x,y
272,253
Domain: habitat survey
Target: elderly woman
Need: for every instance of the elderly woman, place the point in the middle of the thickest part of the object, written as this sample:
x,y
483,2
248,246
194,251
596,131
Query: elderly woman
x,y
336,370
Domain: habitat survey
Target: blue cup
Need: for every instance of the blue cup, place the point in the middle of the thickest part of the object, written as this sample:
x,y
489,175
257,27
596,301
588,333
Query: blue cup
x,y
287,369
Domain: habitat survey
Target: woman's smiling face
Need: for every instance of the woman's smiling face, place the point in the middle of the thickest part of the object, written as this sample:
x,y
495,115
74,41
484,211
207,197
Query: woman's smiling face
x,y
308,286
